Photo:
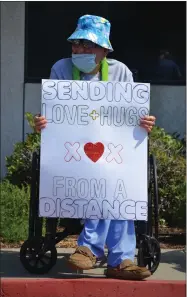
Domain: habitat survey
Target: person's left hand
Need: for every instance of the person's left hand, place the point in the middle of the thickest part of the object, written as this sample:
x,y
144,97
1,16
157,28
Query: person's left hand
x,y
147,123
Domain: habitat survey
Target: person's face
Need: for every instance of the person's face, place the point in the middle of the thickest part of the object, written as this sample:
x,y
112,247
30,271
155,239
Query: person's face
x,y
88,47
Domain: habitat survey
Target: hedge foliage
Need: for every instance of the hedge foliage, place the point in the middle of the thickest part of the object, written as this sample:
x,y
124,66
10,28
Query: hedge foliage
x,y
170,153
14,205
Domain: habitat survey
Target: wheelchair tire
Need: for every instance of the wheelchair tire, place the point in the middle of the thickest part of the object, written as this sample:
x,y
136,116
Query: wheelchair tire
x,y
149,254
34,260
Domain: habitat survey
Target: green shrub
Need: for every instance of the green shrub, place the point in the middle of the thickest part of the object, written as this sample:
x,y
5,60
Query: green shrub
x,y
19,163
171,169
14,205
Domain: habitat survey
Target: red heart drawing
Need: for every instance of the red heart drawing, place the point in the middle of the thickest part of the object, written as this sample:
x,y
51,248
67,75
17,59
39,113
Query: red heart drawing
x,y
94,151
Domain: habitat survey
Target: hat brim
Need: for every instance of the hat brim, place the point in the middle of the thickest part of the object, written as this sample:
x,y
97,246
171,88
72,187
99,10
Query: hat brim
x,y
92,36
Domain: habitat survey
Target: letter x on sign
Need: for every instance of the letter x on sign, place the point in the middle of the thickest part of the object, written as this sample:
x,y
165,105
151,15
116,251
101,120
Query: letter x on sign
x,y
114,153
72,151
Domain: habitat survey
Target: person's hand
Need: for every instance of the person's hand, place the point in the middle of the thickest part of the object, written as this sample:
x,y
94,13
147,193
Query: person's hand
x,y
40,122
147,123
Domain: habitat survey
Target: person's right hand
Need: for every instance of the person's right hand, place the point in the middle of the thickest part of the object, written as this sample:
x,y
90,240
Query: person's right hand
x,y
40,122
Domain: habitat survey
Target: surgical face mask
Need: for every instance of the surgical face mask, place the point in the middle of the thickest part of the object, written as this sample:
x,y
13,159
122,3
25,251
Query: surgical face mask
x,y
84,62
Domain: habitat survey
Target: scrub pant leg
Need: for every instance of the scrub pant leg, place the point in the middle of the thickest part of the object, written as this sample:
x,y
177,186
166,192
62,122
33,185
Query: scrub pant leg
x,y
119,237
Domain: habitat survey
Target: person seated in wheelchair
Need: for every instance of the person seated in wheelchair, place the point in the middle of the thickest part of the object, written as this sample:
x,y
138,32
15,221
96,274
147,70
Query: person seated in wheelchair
x,y
90,46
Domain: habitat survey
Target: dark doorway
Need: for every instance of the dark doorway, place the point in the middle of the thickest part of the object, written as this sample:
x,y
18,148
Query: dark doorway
x,y
139,31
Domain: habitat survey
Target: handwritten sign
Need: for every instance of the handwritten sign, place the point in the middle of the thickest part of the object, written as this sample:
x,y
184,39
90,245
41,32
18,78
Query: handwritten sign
x,y
93,151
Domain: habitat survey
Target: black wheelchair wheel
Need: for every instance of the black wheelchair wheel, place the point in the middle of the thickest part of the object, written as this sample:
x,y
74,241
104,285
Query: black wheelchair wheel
x,y
36,258
149,254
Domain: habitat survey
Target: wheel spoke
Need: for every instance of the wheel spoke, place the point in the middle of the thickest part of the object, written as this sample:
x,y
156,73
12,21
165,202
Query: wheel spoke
x,y
31,252
37,261
43,262
34,264
32,257
153,250
149,265
154,261
46,257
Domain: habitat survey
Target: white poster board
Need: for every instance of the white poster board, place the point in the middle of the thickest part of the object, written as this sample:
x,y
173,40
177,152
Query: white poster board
x,y
93,152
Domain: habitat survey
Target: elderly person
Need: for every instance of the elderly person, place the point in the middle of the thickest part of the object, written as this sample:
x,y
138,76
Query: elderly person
x,y
90,46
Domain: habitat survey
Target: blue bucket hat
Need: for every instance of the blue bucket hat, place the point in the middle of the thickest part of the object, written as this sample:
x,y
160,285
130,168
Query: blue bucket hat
x,y
95,29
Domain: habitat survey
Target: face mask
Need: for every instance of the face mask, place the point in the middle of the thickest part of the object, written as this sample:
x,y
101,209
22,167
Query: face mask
x,y
84,62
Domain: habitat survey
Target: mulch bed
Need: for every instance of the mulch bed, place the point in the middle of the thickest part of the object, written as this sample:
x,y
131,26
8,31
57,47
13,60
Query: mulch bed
x,y
166,242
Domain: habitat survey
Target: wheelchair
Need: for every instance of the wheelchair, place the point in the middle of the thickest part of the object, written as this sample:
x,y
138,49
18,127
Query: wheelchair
x,y
38,254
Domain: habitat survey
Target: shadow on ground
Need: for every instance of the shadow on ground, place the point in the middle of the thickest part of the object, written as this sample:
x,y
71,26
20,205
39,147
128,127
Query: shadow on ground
x,y
172,261
176,258
12,267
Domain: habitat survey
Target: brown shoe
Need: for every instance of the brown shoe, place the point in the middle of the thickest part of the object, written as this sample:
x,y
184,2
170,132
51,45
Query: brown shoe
x,y
128,270
82,258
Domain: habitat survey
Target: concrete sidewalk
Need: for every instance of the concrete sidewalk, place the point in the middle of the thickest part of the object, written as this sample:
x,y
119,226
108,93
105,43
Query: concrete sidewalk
x,y
172,266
